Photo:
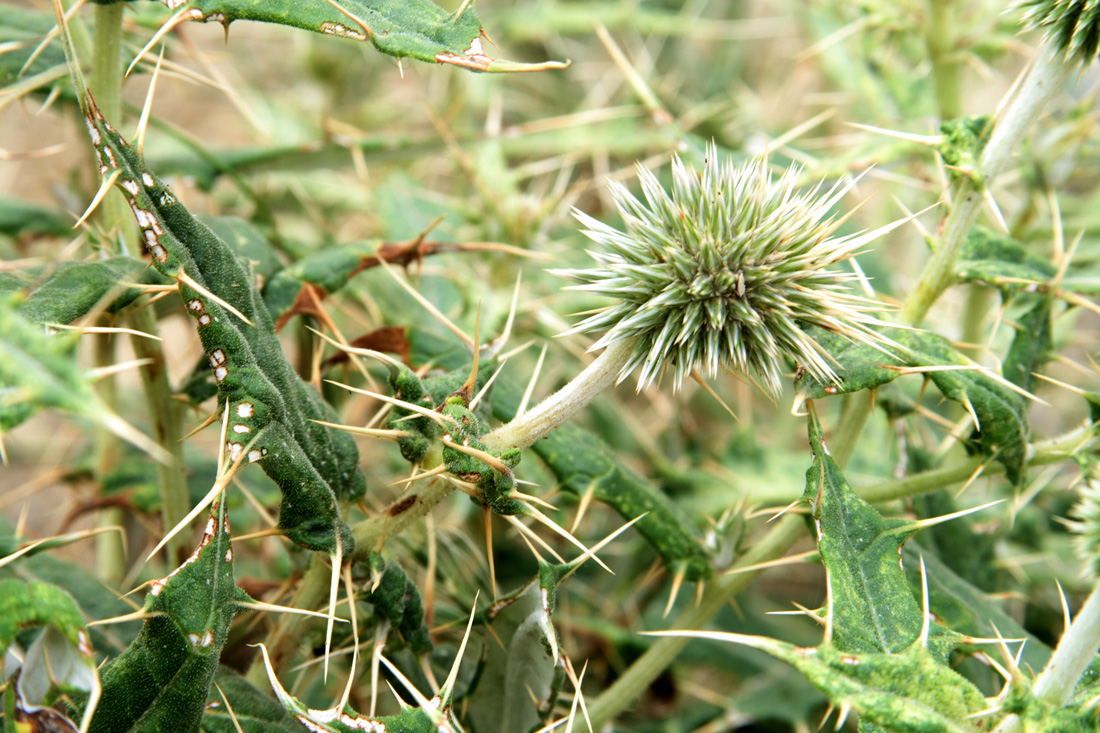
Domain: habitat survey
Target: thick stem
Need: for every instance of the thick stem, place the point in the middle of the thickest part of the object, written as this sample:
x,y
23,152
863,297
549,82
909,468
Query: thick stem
x,y
559,407
1075,651
939,38
164,414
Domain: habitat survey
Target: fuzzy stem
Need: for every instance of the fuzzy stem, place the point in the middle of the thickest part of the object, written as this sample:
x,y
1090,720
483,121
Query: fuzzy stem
x,y
940,40
566,402
164,414
1075,651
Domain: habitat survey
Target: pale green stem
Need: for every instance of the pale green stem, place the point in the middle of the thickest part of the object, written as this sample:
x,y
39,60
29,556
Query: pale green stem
x,y
559,407
105,83
164,416
110,552
1045,79
1076,650
940,39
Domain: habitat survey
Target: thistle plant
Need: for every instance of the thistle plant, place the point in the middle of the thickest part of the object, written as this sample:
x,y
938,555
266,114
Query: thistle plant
x,y
725,269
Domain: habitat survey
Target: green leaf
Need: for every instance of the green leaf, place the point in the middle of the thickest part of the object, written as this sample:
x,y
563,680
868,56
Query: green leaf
x,y
162,681
910,692
23,28
20,218
1001,411
582,462
397,599
527,668
416,29
64,292
248,244
870,605
1033,345
253,710
327,271
23,605
38,371
273,412
999,261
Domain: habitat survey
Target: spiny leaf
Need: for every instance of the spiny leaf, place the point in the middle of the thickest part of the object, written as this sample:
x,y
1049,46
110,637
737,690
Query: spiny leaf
x,y
870,605
397,599
272,411
23,605
67,291
417,29
1001,411
253,710
518,683
161,682
999,261
900,693
1033,345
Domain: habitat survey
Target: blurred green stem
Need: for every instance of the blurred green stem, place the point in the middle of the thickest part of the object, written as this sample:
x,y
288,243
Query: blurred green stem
x,y
940,40
164,412
110,547
106,84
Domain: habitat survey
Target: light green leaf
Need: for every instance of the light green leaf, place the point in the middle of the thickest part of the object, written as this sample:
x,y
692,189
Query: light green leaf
x,y
528,668
999,261
416,29
64,292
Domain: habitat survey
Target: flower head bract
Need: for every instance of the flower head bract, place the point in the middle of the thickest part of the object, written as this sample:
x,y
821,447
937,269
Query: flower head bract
x,y
725,269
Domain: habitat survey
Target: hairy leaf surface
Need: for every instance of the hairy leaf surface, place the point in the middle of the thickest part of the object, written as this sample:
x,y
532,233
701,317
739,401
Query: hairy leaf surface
x,y
162,681
67,291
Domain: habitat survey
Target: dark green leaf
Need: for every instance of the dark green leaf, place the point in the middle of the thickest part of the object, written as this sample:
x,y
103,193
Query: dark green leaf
x,y
397,599
273,412
999,261
253,710
1033,345
416,29
162,681
250,246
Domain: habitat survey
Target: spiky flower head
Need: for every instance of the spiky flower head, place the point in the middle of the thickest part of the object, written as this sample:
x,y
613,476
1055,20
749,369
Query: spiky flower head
x,y
724,270
1085,522
1073,26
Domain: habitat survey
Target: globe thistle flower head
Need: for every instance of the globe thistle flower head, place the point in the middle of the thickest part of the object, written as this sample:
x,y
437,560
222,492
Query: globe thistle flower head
x,y
1073,26
724,269
1085,523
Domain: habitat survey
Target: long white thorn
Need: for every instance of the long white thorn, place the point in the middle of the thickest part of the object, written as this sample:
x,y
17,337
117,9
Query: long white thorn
x,y
542,518
334,588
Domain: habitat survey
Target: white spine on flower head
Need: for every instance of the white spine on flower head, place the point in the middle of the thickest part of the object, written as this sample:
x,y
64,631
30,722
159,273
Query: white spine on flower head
x,y
724,269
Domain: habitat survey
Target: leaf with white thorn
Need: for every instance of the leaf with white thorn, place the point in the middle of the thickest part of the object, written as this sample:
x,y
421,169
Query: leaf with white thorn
x,y
1001,262
253,710
64,292
162,680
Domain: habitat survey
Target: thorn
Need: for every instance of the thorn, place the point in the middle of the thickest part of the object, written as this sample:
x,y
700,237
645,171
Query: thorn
x,y
273,608
185,279
930,140
926,614
419,410
102,329
427,305
424,703
447,690
334,587
175,19
143,122
362,26
349,591
526,533
550,524
202,426
487,458
383,434
417,476
531,383
488,516
677,581
933,521
380,633
104,187
229,708
467,389
485,390
582,507
1066,619
138,615
710,391
273,532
